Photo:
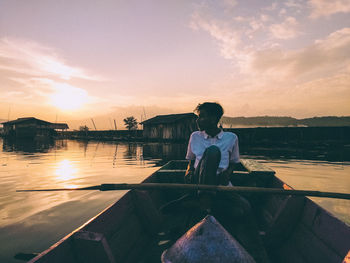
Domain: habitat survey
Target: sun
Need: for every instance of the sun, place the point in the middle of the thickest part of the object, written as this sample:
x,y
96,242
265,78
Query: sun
x,y
68,98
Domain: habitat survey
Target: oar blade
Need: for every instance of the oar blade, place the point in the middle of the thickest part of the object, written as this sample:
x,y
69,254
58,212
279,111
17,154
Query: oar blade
x,y
95,187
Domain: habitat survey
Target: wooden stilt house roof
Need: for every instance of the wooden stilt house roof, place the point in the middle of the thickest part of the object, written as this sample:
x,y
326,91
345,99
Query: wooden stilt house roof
x,y
41,122
170,118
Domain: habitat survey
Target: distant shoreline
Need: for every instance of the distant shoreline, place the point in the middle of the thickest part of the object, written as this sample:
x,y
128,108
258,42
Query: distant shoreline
x,y
249,136
245,135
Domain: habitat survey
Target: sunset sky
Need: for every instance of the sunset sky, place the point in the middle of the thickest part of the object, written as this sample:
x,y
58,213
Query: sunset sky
x,y
74,60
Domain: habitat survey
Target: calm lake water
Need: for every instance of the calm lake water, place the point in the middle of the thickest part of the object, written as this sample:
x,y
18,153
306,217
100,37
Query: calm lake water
x,y
31,222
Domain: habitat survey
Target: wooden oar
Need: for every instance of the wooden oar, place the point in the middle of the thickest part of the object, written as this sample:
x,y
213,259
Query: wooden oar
x,y
192,187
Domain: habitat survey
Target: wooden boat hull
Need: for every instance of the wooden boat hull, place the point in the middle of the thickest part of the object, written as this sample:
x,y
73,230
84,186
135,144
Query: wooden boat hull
x,y
294,229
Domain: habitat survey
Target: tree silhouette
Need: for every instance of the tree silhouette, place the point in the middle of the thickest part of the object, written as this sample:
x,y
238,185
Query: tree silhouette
x,y
130,123
84,128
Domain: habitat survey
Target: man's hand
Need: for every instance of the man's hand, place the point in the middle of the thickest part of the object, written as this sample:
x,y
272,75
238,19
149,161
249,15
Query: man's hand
x,y
225,176
189,173
188,176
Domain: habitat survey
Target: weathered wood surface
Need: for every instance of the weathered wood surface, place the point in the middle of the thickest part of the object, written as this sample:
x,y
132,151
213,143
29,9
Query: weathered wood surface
x,y
94,247
254,167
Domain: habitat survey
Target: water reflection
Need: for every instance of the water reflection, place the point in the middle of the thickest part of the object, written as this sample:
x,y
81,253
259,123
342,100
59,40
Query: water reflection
x,y
164,152
333,153
35,220
324,152
65,170
83,145
171,151
131,151
32,146
115,156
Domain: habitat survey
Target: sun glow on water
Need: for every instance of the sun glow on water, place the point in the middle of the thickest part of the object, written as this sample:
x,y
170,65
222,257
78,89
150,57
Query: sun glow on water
x,y
66,171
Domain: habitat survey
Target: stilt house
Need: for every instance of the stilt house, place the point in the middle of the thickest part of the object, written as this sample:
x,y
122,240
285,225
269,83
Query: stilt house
x,y
170,127
31,127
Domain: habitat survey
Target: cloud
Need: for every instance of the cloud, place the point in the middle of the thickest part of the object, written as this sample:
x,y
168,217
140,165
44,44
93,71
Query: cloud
x,y
271,7
298,81
230,3
31,58
228,39
264,58
61,95
323,96
264,17
324,57
32,72
285,30
240,37
294,4
320,8
318,97
282,12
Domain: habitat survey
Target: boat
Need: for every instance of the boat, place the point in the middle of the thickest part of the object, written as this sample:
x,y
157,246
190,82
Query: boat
x,y
293,228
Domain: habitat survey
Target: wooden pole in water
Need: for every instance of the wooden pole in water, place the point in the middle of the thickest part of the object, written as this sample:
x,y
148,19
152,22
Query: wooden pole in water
x,y
193,187
115,125
8,114
93,123
144,113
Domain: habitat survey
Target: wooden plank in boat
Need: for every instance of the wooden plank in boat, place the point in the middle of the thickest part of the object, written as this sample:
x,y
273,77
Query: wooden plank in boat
x,y
312,248
141,245
181,171
287,253
148,214
169,177
124,240
155,195
175,164
284,220
112,218
254,167
270,205
135,227
334,233
251,166
92,247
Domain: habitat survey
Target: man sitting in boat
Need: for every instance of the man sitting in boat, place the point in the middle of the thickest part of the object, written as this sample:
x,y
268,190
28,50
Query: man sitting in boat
x,y
213,155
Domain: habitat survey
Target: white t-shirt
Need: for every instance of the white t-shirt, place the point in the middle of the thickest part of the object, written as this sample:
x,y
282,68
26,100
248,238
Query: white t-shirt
x,y
227,142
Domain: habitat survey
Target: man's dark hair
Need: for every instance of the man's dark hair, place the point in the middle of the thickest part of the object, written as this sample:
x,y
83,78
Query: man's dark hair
x,y
212,108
